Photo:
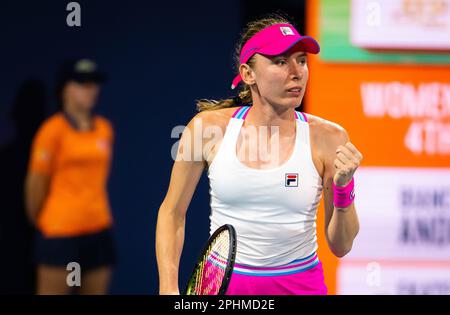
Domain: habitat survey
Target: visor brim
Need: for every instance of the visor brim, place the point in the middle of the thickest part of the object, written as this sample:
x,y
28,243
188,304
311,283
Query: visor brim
x,y
308,45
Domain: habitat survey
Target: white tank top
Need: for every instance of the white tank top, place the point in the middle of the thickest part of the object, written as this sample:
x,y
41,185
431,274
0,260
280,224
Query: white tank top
x,y
272,210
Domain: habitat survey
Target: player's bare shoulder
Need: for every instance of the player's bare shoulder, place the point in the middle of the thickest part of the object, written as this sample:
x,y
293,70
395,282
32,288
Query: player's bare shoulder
x,y
212,124
325,134
217,118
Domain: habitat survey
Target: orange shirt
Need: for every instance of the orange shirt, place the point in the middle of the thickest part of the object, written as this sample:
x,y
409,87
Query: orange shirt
x,y
78,164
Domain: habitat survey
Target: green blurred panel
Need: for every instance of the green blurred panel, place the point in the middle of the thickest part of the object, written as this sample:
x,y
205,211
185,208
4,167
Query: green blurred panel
x,y
336,47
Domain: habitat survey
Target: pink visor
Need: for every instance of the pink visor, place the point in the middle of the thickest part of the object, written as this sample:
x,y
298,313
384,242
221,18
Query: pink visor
x,y
275,40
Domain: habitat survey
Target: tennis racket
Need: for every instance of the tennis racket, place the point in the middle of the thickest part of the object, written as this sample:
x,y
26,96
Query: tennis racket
x,y
213,270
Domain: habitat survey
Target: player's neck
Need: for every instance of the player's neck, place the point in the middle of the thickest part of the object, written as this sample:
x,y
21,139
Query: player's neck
x,y
266,115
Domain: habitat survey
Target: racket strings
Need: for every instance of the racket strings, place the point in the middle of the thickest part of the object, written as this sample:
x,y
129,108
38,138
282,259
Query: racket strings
x,y
211,269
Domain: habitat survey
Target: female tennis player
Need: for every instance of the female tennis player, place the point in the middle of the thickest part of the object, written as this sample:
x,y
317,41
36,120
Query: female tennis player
x,y
66,194
271,200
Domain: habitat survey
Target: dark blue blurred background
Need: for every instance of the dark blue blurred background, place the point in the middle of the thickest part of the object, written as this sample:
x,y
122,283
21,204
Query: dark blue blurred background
x,y
160,56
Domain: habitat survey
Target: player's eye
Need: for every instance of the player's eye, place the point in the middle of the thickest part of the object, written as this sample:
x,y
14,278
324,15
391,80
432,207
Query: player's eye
x,y
280,61
302,60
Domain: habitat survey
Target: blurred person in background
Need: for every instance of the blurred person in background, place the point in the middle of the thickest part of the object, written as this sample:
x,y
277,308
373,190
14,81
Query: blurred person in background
x,y
66,187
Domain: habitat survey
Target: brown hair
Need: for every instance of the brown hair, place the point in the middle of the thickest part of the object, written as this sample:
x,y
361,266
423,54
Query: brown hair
x,y
244,96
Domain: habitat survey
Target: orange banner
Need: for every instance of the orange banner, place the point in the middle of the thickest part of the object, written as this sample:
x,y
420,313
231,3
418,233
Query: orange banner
x,y
396,115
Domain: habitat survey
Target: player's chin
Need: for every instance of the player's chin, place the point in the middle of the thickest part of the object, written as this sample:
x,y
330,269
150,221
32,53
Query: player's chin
x,y
292,102
287,102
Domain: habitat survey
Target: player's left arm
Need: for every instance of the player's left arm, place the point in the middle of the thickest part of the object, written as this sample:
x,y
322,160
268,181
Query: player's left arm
x,y
341,160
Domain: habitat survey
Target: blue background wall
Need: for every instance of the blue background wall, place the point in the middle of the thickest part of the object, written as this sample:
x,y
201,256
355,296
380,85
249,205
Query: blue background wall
x,y
161,56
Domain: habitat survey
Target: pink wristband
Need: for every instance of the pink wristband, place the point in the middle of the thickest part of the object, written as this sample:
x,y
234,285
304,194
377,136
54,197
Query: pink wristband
x,y
343,196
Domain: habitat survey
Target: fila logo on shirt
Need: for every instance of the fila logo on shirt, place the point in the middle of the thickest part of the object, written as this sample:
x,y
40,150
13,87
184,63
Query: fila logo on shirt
x,y
291,180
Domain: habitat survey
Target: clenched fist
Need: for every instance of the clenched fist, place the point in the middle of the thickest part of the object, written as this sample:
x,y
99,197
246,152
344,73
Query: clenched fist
x,y
348,158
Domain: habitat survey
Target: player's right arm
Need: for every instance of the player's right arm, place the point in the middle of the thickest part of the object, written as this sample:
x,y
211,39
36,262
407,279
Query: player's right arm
x,y
186,172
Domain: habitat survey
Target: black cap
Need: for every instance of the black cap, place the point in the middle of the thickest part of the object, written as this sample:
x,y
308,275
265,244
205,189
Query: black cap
x,y
81,70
